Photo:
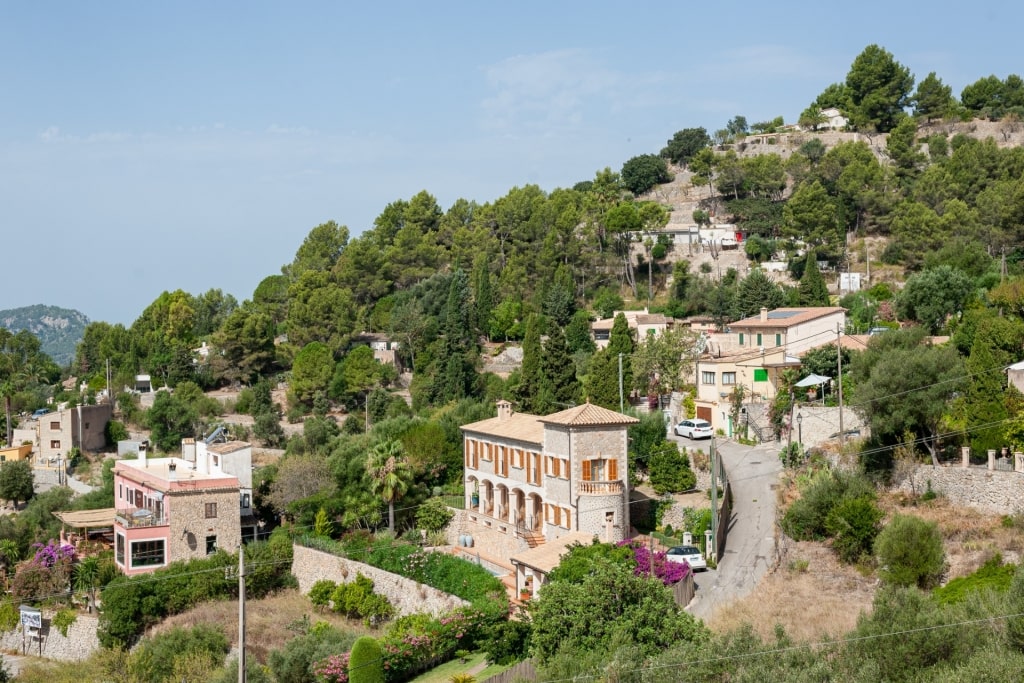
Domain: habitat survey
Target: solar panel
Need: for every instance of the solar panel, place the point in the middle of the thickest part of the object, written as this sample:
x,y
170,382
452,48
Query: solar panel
x,y
781,315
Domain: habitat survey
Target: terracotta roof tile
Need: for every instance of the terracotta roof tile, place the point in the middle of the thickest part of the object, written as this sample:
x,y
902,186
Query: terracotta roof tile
x,y
589,414
786,317
518,426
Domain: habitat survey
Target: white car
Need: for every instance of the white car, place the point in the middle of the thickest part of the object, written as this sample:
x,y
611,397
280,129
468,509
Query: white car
x,y
694,429
689,554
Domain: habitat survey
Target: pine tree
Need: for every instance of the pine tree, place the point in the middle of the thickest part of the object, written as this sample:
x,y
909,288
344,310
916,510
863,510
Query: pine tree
x,y
813,291
757,291
456,377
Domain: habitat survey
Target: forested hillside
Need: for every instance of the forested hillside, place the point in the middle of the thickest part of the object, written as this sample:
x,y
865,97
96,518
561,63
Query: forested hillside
x,y
59,329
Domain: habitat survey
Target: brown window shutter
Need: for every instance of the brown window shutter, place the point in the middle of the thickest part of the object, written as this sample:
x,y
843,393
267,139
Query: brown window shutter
x,y
613,470
586,470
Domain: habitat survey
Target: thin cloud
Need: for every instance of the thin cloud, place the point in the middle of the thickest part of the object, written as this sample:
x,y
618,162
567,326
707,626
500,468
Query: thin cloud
x,y
549,90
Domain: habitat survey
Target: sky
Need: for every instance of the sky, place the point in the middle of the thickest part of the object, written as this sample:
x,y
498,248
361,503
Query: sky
x,y
149,147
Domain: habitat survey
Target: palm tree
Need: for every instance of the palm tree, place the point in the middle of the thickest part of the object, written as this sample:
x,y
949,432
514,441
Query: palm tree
x,y
86,575
389,474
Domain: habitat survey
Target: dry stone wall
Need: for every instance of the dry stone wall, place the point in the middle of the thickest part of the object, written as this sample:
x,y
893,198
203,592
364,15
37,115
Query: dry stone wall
x,y
993,491
407,596
79,644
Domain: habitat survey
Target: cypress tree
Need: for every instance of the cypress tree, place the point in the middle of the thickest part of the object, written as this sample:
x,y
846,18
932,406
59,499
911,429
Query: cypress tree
x,y
527,393
813,291
366,661
559,387
621,341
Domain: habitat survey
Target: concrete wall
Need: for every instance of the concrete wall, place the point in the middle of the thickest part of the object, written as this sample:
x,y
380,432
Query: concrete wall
x,y
407,596
80,643
993,491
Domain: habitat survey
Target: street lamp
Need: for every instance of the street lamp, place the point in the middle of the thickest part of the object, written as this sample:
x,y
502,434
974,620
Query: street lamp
x,y
800,429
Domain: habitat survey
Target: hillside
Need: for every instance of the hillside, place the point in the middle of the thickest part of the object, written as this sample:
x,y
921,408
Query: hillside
x,y
59,329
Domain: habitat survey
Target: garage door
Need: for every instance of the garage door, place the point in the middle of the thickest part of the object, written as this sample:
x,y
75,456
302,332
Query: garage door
x,y
704,413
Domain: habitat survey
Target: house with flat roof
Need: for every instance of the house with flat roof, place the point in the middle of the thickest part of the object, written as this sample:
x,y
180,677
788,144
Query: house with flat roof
x,y
169,509
531,479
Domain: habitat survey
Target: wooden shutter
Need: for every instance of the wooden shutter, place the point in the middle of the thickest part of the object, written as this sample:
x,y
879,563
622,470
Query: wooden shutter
x,y
613,470
568,517
586,470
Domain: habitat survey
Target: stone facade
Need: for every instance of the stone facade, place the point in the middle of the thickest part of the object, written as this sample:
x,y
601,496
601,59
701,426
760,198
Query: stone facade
x,y
407,596
190,527
80,643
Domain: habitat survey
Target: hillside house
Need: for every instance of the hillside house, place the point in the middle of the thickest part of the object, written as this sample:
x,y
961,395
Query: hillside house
x,y
169,509
754,352
641,323
530,480
81,427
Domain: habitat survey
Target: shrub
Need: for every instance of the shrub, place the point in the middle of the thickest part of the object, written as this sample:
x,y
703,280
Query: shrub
x,y
910,553
433,515
853,525
993,575
670,469
805,518
306,653
158,655
418,642
63,620
357,600
365,663
506,642
321,592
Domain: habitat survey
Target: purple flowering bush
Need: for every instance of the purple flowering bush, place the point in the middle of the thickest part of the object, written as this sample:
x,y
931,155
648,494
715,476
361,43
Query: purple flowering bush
x,y
47,575
669,572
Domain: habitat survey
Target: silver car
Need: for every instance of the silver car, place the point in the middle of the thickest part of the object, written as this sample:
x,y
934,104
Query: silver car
x,y
689,554
694,429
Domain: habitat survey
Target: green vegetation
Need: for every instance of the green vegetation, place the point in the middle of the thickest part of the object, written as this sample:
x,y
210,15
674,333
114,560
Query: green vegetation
x,y
910,552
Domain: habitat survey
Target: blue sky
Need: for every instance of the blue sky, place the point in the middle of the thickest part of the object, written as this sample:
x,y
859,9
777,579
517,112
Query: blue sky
x,y
155,146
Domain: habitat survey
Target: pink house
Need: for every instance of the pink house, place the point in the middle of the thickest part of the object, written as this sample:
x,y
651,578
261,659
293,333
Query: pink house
x,y
170,509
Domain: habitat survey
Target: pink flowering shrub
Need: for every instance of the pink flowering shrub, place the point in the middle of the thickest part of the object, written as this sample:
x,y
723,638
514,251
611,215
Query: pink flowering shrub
x,y
668,572
332,669
419,642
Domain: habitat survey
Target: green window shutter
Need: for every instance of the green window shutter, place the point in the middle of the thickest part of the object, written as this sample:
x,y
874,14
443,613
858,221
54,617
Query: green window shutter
x,y
741,339
759,342
778,340
760,375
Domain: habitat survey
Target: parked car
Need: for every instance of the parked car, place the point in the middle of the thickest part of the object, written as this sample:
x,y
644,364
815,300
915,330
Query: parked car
x,y
694,429
689,554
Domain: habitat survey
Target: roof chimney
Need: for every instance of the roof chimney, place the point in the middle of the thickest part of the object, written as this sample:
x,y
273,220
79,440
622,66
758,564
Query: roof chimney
x,y
504,410
188,449
764,314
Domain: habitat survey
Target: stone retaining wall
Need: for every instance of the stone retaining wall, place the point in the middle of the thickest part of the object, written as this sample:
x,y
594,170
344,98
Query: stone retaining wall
x,y
986,490
407,596
80,643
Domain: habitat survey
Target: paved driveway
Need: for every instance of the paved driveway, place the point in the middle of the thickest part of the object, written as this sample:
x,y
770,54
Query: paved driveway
x,y
751,549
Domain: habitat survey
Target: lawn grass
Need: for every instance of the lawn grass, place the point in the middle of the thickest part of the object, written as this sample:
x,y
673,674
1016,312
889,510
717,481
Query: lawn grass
x,y
441,674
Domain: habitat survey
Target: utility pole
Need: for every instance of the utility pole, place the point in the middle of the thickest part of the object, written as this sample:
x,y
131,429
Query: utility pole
x,y
714,494
621,404
789,445
241,613
839,378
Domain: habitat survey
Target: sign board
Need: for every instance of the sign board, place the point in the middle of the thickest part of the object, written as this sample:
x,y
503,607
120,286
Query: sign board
x,y
31,617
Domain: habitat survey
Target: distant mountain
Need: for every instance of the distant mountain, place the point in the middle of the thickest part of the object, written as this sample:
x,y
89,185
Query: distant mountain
x,y
59,329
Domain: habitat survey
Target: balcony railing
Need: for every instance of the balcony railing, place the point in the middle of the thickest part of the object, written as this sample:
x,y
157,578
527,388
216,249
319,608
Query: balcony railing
x,y
141,517
600,488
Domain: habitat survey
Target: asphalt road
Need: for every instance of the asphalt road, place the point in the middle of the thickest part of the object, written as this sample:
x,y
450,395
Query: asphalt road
x,y
751,547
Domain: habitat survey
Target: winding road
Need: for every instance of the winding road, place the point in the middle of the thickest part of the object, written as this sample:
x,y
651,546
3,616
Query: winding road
x,y
750,551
